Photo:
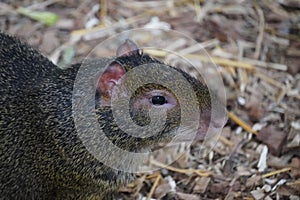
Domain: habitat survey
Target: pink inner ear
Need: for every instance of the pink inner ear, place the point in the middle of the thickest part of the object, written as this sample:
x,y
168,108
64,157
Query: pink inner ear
x,y
128,48
109,79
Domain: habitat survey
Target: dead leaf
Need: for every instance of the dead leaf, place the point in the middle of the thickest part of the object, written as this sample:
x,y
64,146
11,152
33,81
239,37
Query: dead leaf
x,y
201,184
273,138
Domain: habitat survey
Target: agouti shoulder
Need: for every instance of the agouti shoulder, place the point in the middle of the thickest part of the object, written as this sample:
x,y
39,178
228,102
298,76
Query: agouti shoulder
x,y
41,154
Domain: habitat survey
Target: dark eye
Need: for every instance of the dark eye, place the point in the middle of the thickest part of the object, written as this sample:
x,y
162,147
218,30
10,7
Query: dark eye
x,y
158,100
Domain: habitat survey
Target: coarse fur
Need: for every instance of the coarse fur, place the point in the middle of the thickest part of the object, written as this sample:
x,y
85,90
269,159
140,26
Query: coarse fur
x,y
41,156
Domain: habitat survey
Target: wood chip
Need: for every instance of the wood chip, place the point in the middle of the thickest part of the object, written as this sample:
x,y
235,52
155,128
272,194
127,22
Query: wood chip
x,y
273,138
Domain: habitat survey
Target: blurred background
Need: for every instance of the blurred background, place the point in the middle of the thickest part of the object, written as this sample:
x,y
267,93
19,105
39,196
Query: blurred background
x,y
256,47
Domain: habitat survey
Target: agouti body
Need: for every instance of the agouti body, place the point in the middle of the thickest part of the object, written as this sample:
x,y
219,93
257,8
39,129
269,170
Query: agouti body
x,y
41,156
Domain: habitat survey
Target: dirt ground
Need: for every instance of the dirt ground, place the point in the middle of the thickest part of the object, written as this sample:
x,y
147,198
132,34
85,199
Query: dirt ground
x,y
255,46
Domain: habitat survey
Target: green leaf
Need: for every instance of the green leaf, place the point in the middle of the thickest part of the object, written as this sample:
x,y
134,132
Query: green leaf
x,y
67,57
47,18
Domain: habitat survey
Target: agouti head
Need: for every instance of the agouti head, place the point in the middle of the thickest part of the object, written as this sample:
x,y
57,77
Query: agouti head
x,y
151,95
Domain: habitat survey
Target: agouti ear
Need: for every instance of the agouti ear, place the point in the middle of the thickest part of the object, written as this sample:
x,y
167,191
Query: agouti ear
x,y
128,48
108,80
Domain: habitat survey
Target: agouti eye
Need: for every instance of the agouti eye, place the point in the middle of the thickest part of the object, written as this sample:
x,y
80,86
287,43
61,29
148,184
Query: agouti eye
x,y
158,100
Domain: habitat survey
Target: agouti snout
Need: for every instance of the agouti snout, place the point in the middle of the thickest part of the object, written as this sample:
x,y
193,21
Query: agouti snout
x,y
48,132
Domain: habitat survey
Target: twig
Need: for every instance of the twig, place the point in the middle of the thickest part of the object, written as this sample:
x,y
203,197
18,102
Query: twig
x,y
240,122
100,31
221,61
103,11
269,80
226,141
158,177
276,172
182,171
261,31
263,64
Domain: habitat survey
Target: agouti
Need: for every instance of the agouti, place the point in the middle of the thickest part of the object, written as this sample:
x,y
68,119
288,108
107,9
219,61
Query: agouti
x,y
41,154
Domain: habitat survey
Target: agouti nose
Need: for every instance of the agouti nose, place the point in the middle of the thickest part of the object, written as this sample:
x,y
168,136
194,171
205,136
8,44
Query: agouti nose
x,y
210,125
